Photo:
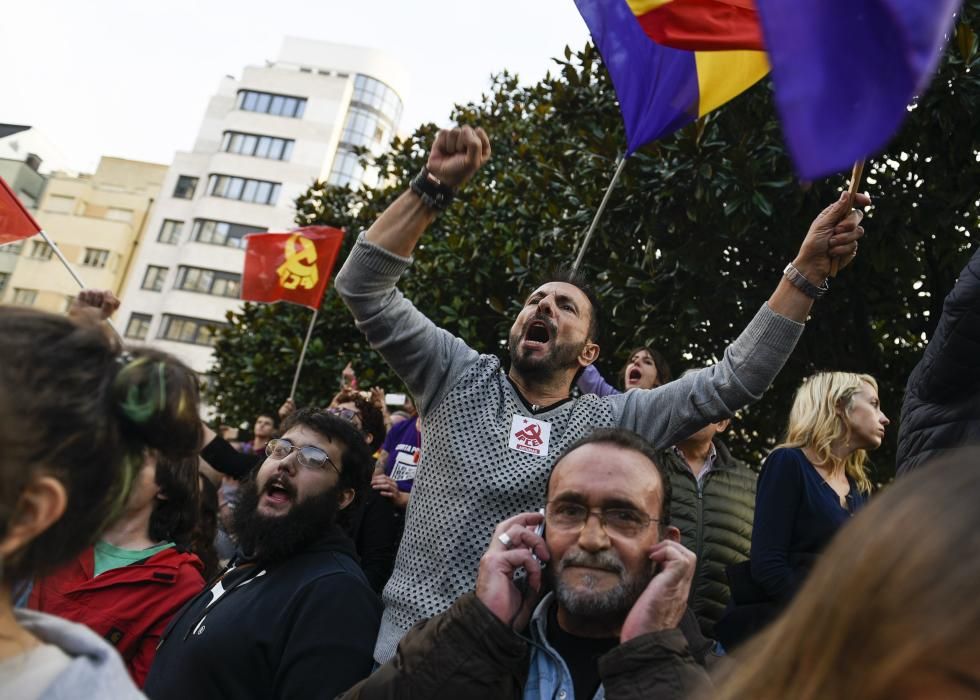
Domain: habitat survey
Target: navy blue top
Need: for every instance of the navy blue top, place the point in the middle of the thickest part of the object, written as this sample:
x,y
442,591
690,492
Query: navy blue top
x,y
796,514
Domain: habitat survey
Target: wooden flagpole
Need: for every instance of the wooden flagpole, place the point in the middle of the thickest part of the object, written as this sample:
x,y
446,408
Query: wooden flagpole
x,y
856,174
302,355
598,214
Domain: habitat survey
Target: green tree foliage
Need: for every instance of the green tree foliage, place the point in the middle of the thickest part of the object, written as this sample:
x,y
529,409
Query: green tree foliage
x,y
693,241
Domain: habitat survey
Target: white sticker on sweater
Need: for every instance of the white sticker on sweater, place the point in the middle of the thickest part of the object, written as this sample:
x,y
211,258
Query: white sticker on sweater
x,y
405,466
530,435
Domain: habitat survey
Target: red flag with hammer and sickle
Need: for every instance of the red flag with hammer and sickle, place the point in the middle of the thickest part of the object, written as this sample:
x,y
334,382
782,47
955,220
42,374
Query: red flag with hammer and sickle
x,y
293,267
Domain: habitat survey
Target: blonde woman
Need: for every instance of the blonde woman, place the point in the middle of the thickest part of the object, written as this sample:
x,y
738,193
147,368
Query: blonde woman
x,y
890,612
809,487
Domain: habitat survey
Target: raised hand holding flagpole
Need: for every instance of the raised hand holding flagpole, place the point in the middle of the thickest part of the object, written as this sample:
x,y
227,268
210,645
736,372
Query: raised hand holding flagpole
x,y
856,174
16,223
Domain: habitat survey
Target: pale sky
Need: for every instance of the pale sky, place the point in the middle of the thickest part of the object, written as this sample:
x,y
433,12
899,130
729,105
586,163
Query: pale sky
x,y
132,78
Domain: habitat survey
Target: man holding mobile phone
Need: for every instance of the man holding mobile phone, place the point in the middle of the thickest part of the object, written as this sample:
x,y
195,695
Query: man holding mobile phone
x,y
615,622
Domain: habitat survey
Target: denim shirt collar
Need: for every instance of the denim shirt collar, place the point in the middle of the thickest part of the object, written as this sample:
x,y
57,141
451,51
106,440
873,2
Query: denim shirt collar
x,y
548,677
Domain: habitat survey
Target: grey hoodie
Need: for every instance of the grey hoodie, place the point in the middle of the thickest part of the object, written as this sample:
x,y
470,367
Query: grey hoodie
x,y
95,670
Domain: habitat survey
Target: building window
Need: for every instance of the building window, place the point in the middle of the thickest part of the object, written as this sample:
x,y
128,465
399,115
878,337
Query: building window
x,y
154,278
138,326
378,96
222,232
95,257
117,214
4,278
244,189
12,248
258,146
40,251
347,169
214,282
170,231
183,329
365,128
185,187
59,204
25,297
268,103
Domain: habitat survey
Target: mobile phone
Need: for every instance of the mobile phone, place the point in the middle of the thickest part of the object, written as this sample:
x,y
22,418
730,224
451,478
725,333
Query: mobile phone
x,y
539,531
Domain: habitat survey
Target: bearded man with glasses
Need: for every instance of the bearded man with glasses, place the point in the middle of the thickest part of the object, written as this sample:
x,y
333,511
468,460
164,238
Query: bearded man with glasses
x,y
615,622
293,615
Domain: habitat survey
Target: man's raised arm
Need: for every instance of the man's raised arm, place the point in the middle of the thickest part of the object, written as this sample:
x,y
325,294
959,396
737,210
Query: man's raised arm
x,y
455,156
426,357
684,406
833,234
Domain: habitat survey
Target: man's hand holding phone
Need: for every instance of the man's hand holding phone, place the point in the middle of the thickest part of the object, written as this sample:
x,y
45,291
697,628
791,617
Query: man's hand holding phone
x,y
661,606
514,545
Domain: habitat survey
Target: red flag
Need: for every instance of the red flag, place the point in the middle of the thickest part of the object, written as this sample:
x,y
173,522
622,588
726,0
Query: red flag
x,y
15,221
294,266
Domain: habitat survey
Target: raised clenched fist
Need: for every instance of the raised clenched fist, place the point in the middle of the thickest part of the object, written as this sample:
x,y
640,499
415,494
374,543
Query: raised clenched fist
x,y
457,154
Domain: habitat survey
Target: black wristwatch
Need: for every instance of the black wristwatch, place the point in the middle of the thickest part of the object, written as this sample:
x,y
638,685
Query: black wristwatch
x,y
432,191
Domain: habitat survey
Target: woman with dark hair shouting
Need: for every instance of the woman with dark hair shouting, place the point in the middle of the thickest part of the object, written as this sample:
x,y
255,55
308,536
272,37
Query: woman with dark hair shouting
x,y
645,369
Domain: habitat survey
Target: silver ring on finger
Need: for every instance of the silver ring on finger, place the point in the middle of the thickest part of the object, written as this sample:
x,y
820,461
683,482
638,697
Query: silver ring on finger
x,y
505,540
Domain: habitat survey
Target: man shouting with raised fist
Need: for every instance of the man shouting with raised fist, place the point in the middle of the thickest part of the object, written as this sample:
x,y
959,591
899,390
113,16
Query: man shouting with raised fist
x,y
492,437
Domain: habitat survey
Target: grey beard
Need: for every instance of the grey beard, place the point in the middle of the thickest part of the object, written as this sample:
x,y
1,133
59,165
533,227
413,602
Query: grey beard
x,y
590,604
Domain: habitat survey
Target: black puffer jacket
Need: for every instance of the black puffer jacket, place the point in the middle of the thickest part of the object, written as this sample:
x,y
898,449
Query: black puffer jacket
x,y
715,523
941,410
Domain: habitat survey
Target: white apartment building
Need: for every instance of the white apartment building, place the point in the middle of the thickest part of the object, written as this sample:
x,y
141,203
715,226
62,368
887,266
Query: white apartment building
x,y
264,140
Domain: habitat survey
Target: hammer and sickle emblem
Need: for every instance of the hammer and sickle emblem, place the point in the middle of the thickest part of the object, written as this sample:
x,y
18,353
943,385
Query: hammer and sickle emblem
x,y
299,267
531,435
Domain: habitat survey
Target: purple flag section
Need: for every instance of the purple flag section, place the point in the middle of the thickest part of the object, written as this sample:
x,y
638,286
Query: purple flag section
x,y
657,86
844,72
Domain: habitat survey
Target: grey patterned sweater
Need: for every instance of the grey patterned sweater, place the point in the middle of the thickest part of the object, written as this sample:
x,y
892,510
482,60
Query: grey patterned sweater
x,y
469,477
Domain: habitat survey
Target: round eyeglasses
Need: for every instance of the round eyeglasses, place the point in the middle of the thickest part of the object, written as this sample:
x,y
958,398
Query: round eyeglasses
x,y
310,457
572,517
353,417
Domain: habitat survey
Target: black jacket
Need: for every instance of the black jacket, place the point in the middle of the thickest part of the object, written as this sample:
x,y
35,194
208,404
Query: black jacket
x,y
941,410
375,525
715,523
229,461
304,628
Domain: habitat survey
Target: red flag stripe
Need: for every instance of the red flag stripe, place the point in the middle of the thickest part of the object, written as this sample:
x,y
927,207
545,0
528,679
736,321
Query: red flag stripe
x,y
704,25
16,222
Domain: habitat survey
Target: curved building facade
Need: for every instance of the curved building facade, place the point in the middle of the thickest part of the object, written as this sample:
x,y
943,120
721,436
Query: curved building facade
x,y
264,139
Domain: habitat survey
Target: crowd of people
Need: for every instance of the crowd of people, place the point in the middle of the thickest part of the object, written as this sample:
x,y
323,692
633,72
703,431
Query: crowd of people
x,y
524,530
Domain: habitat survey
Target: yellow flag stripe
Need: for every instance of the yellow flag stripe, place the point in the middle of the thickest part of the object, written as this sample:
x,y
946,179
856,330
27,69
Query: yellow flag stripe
x,y
724,74
640,7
